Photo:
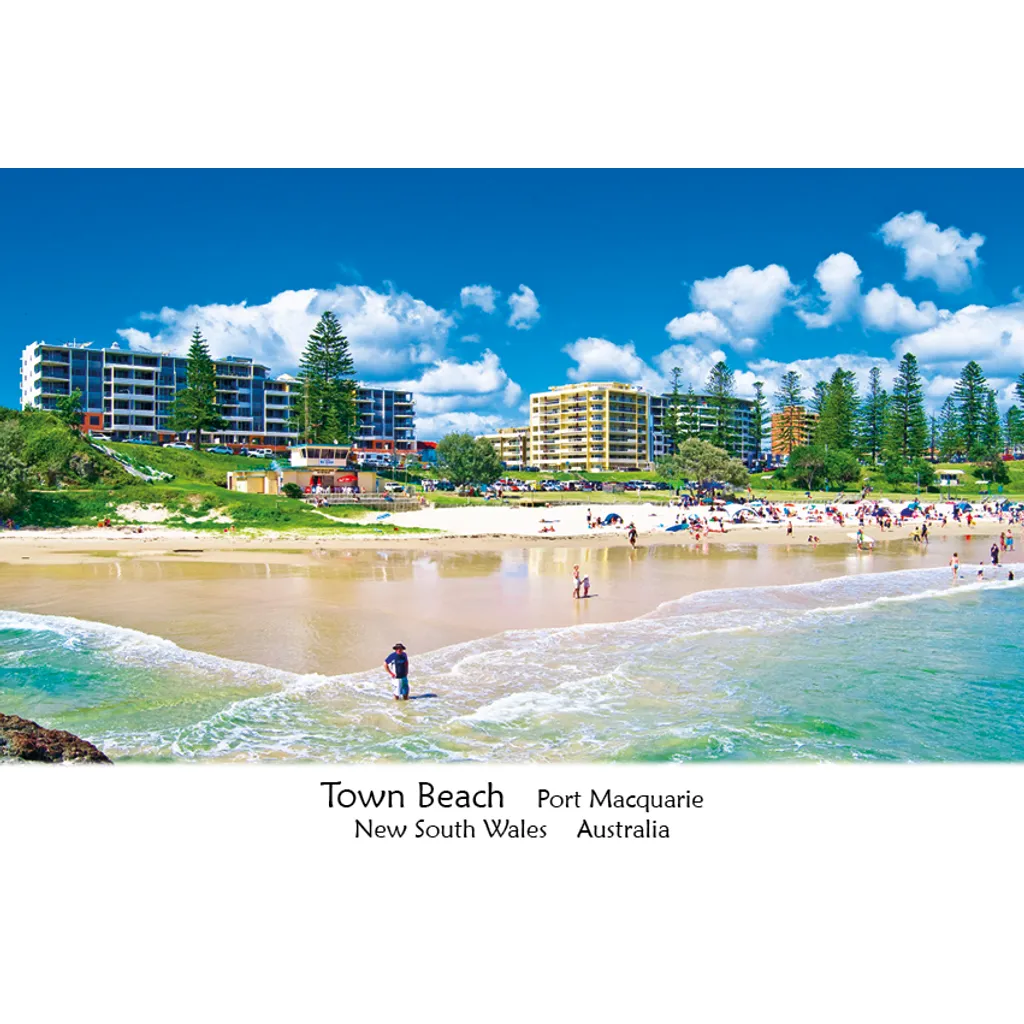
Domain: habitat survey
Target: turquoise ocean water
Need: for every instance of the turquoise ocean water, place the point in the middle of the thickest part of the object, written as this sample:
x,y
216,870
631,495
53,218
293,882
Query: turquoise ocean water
x,y
903,666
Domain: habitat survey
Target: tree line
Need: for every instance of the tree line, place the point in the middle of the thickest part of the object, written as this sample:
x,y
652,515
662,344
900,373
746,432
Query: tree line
x,y
890,429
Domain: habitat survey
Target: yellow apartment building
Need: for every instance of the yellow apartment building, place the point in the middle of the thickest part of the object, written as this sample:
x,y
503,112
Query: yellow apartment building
x,y
590,427
512,445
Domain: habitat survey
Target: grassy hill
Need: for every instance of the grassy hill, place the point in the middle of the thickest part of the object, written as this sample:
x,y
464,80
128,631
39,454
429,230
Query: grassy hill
x,y
70,482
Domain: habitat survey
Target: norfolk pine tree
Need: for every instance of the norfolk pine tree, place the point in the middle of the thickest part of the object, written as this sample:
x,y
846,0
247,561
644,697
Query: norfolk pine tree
x,y
722,406
790,396
872,416
757,417
906,435
195,405
970,398
672,426
325,409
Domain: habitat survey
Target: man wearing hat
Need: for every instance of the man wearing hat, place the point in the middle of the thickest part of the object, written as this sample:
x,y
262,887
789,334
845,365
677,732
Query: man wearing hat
x,y
397,665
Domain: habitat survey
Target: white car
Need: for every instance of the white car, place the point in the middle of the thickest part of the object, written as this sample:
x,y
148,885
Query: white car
x,y
261,453
176,444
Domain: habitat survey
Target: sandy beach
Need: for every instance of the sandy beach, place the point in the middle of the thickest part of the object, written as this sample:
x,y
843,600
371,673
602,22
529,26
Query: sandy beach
x,y
330,605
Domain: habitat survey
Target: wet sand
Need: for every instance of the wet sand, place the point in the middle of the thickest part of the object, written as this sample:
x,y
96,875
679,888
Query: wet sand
x,y
316,607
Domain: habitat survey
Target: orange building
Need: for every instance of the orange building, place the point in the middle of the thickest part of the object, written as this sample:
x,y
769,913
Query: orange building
x,y
791,428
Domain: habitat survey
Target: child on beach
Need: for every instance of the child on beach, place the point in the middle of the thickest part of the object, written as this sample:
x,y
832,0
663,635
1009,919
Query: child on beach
x,y
954,564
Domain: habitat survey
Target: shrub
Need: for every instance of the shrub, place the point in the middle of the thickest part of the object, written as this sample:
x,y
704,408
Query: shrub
x,y
291,490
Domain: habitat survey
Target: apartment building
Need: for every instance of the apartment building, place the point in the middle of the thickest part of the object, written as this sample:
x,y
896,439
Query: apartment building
x,y
704,419
512,445
592,427
791,428
386,420
130,394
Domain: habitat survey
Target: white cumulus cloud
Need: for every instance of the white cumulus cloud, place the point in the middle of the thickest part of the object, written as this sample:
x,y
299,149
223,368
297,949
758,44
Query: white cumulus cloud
x,y
992,335
387,331
745,299
838,276
885,309
694,325
525,308
433,427
481,295
944,256
598,359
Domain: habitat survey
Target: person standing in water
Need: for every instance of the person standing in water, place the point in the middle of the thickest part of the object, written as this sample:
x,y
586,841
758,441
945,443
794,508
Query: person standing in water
x,y
954,564
397,665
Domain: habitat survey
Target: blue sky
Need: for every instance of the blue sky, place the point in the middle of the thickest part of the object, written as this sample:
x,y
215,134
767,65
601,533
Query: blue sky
x,y
477,287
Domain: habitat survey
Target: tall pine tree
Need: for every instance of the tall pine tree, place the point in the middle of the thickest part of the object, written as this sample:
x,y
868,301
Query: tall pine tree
x,y
672,425
789,400
906,435
837,425
722,405
195,405
991,429
950,443
325,410
758,415
872,416
970,397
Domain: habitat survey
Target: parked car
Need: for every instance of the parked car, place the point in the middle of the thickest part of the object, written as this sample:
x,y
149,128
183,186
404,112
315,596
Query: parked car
x,y
175,444
100,437
393,487
220,449
139,440
261,453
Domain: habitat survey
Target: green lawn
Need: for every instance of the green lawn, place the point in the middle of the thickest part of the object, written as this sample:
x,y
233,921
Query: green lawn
x,y
764,485
196,491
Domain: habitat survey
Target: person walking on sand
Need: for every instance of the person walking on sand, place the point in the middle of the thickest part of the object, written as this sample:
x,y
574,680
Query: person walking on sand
x,y
994,553
631,534
954,564
576,581
397,665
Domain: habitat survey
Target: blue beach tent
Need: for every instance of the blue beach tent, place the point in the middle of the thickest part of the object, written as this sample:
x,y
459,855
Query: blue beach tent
x,y
612,517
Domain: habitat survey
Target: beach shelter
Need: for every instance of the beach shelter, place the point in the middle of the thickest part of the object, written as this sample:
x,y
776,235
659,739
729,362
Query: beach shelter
x,y
611,518
677,527
964,506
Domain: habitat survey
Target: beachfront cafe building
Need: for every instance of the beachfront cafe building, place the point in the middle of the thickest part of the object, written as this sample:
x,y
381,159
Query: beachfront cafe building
x,y
315,469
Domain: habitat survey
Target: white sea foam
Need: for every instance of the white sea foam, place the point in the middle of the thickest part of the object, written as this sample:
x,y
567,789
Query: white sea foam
x,y
590,690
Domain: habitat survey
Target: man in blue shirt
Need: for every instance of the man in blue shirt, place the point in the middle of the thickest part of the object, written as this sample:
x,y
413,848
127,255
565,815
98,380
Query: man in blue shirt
x,y
397,665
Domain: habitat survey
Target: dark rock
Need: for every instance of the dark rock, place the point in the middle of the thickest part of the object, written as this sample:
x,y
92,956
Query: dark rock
x,y
23,740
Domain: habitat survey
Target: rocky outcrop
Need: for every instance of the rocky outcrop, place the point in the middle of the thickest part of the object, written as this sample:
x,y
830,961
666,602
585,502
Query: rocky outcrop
x,y
23,740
